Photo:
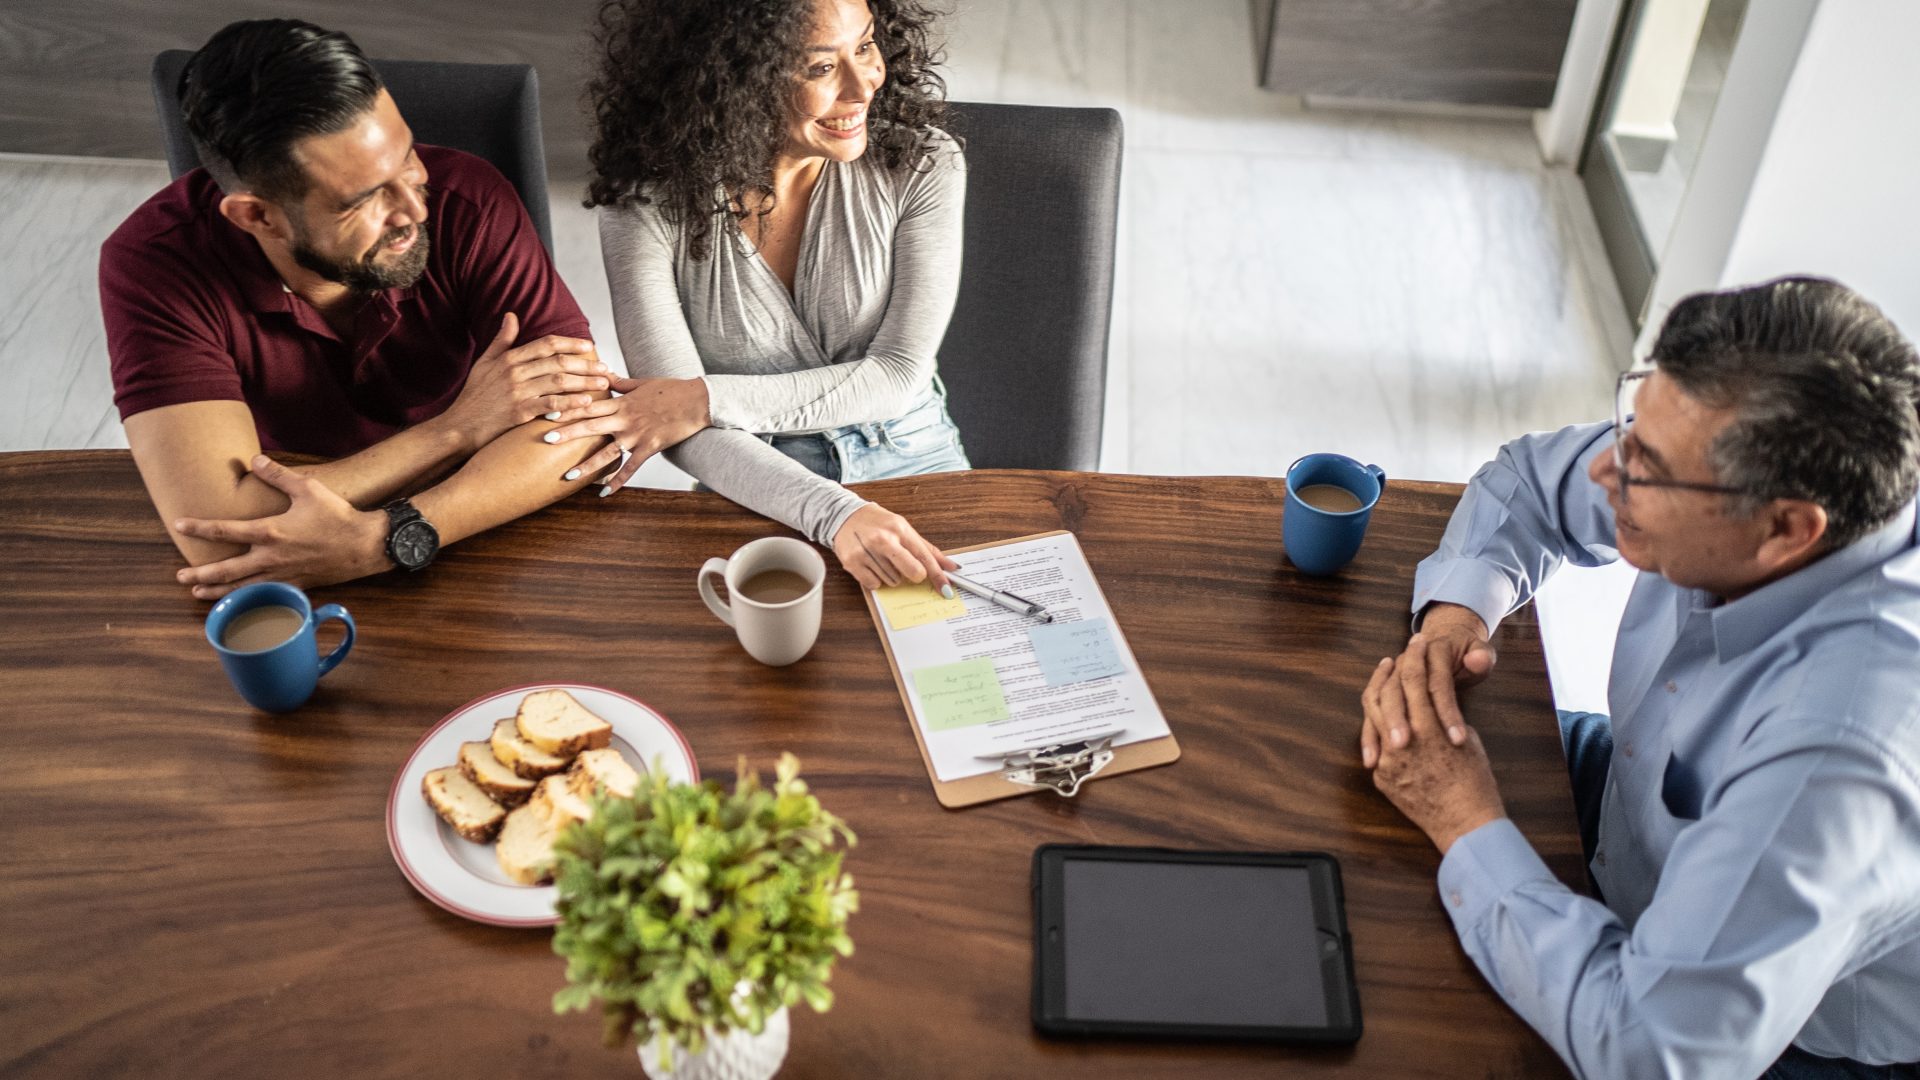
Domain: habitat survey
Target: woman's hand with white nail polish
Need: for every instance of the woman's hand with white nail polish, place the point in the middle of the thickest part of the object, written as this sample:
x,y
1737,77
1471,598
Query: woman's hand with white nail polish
x,y
648,416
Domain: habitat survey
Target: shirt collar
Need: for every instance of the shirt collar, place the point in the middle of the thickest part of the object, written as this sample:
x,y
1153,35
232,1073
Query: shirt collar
x,y
1745,623
260,283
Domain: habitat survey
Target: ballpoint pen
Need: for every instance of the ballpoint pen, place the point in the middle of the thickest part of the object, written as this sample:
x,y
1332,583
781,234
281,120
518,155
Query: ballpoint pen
x,y
1015,604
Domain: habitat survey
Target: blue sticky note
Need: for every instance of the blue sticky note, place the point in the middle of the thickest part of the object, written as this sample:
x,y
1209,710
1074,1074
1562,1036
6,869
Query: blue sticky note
x,y
1076,651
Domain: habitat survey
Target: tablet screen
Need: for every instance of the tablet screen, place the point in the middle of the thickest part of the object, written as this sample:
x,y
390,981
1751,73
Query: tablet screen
x,y
1191,943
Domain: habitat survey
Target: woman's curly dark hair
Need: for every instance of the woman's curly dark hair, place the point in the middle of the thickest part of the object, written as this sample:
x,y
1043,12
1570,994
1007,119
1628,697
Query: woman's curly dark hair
x,y
690,100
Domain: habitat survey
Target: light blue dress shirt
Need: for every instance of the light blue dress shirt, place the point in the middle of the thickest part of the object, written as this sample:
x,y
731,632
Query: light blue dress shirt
x,y
1759,843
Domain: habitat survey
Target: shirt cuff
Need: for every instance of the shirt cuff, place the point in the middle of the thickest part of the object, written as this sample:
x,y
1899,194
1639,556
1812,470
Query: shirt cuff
x,y
842,510
1472,584
1484,866
722,410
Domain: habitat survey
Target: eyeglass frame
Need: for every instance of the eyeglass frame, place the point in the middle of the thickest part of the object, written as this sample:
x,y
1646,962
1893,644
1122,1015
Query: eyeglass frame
x,y
1622,422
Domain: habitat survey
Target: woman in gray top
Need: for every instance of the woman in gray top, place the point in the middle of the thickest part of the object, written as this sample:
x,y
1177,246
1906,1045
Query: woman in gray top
x,y
780,217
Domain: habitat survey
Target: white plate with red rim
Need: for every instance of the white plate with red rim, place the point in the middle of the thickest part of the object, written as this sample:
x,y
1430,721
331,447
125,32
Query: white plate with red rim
x,y
465,877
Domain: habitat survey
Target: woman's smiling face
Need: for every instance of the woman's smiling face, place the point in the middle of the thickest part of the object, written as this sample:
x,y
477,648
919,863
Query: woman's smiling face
x,y
839,74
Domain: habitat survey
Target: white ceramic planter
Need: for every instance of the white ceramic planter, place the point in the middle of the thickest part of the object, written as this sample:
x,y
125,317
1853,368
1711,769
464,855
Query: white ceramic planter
x,y
737,1055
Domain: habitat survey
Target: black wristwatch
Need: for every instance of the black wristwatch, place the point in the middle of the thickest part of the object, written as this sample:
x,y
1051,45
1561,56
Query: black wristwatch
x,y
412,541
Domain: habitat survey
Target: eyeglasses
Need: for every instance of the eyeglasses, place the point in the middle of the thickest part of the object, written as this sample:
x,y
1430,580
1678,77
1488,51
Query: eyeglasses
x,y
1624,392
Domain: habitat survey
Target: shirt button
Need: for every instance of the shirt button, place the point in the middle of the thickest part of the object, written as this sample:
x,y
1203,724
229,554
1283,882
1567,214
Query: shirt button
x,y
1671,686
1628,749
1600,857
1454,898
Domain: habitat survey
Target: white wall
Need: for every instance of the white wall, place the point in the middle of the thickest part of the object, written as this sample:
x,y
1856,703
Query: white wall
x,y
1838,192
1812,164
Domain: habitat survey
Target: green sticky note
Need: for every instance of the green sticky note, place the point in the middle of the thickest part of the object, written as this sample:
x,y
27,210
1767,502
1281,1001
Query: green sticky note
x,y
960,695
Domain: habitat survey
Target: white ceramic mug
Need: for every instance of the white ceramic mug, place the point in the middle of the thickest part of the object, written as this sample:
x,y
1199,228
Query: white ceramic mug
x,y
774,634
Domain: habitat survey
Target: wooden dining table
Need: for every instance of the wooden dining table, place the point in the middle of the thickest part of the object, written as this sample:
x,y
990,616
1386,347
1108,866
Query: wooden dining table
x,y
190,887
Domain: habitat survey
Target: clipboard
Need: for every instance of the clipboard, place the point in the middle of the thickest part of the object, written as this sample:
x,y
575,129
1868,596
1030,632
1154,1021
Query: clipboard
x,y
1061,768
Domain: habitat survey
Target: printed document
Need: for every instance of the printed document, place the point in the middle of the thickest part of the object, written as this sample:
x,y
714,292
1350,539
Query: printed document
x,y
984,682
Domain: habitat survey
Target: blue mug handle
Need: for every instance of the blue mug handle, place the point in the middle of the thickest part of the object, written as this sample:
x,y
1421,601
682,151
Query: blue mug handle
x,y
334,611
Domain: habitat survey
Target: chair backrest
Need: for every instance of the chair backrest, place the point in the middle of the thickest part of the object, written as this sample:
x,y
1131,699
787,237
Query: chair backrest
x,y
489,110
1025,357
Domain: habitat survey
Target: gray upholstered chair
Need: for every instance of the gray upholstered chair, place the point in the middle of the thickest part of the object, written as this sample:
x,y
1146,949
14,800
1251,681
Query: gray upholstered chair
x,y
1025,357
490,110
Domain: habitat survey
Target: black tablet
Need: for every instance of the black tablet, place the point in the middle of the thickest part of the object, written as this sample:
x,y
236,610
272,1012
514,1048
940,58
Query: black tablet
x,y
1191,944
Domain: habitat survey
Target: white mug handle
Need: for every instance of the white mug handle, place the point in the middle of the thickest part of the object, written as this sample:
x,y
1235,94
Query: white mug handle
x,y
714,603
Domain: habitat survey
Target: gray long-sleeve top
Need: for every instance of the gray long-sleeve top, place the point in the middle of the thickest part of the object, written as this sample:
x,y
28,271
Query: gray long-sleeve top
x,y
854,343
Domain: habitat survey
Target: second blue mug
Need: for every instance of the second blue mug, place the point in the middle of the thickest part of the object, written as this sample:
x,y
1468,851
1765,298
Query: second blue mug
x,y
275,677
1320,539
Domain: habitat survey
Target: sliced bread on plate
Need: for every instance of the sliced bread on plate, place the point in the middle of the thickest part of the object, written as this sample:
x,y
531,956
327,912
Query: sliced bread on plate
x,y
525,849
479,764
462,804
557,801
553,721
524,758
602,771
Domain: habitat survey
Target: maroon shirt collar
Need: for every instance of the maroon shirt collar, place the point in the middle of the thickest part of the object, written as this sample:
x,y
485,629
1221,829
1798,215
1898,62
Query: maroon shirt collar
x,y
260,286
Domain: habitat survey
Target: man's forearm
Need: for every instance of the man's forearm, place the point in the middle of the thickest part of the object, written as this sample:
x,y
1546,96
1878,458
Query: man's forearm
x,y
367,479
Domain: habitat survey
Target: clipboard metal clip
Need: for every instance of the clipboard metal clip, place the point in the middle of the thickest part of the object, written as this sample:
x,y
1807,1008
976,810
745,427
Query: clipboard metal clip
x,y
1062,768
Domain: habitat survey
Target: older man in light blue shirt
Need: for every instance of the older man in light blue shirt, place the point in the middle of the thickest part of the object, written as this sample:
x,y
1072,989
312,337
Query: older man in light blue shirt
x,y
1758,817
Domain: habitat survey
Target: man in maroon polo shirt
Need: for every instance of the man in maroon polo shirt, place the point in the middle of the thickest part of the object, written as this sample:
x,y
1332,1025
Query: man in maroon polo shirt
x,y
326,286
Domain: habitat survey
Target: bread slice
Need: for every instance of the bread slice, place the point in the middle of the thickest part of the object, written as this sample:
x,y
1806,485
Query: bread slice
x,y
462,804
559,803
524,758
559,725
602,771
525,849
479,764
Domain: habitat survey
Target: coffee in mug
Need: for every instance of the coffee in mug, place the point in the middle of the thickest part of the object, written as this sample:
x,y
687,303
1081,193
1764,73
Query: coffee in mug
x,y
261,628
1329,497
775,587
264,635
773,597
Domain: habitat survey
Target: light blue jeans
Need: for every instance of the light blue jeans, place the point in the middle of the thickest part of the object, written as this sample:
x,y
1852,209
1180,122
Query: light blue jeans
x,y
924,440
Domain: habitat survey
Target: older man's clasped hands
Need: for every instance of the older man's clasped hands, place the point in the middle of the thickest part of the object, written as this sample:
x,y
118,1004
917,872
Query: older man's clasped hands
x,y
1424,757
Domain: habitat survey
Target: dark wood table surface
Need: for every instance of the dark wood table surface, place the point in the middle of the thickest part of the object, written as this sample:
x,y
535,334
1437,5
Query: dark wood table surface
x,y
192,888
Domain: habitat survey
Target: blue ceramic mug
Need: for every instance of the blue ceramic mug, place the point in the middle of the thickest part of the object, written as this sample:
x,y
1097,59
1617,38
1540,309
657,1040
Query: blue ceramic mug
x,y
1321,539
275,677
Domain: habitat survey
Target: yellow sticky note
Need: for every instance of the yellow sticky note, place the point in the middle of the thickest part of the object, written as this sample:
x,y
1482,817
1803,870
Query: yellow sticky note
x,y
908,606
960,695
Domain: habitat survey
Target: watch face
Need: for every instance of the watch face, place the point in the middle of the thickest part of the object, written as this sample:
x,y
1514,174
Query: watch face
x,y
414,544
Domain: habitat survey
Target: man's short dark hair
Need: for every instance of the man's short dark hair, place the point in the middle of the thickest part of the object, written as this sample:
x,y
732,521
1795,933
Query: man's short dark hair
x,y
1825,394
258,87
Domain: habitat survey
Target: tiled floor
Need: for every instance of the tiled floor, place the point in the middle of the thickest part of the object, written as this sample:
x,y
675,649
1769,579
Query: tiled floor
x,y
1410,290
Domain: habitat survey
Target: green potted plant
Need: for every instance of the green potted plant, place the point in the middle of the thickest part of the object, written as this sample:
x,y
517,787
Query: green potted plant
x,y
697,916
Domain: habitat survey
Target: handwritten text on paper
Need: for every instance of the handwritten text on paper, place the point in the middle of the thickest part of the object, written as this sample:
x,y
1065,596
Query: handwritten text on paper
x,y
916,604
960,695
1076,651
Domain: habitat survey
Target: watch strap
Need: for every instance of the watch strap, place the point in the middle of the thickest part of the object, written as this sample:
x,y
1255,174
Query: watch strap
x,y
401,513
